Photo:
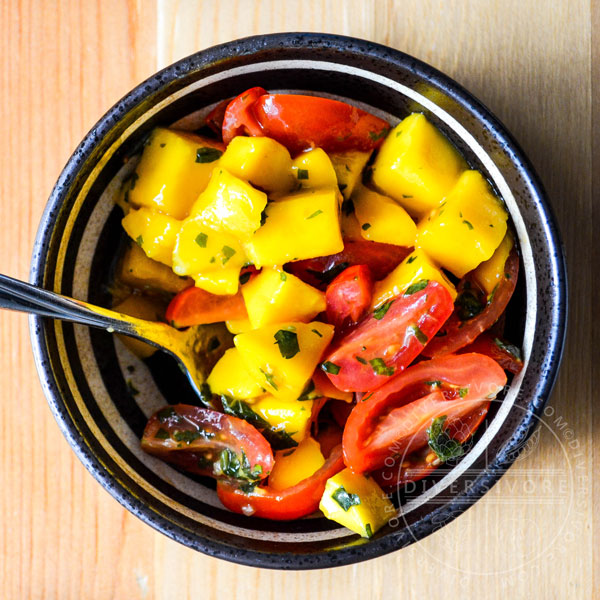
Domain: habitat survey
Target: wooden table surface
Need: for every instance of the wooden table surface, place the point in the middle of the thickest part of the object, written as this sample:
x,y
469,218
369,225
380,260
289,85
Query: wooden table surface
x,y
535,63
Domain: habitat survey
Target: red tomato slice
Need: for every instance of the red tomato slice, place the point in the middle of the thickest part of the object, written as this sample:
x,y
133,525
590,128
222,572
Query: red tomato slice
x,y
422,462
292,503
194,306
387,341
394,419
214,119
207,442
348,296
302,122
457,333
504,353
239,117
380,258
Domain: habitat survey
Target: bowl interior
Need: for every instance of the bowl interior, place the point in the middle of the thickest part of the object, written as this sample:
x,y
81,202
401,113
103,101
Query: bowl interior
x,y
102,394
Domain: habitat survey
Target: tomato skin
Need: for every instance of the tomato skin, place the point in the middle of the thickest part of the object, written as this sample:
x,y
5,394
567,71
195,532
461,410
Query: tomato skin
x,y
414,466
486,344
459,333
380,258
394,419
301,122
214,119
292,503
348,296
396,338
239,117
209,434
194,306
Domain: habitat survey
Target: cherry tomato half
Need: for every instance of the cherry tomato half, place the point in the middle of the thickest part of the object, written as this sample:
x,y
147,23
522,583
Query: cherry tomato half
x,y
387,341
460,331
239,118
348,296
207,442
395,418
292,503
380,258
504,353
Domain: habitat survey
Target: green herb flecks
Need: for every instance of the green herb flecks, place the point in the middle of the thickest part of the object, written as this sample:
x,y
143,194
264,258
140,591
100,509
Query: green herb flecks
x,y
162,434
421,337
380,368
244,277
380,312
287,342
309,392
468,224
164,414
315,214
416,287
434,383
468,305
366,226
510,348
302,173
188,435
317,332
411,259
462,392
283,276
361,360
139,240
330,367
441,443
228,252
378,135
270,379
207,155
344,499
201,240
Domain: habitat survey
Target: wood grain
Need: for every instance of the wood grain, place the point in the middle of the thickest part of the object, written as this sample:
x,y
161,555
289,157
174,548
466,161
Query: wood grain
x,y
535,64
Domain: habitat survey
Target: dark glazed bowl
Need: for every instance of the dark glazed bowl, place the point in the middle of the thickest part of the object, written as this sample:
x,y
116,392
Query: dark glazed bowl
x,y
91,380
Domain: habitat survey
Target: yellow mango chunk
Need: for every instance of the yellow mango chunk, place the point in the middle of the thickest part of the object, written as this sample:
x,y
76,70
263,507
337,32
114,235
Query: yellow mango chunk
x,y
230,204
293,466
153,232
274,296
214,259
174,168
466,228
348,168
266,350
351,230
142,308
289,416
138,271
414,268
489,273
299,226
261,161
417,165
230,377
313,169
357,503
382,219
238,326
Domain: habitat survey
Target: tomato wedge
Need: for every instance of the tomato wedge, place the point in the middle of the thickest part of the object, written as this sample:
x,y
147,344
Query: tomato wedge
x,y
387,341
505,354
292,503
457,332
301,122
239,117
194,306
395,418
380,258
214,119
207,442
348,296
420,463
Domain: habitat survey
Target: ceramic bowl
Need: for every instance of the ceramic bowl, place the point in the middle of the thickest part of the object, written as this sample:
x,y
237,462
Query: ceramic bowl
x,y
101,395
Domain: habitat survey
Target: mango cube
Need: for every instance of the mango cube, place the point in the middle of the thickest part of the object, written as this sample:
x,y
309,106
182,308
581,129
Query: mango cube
x,y
491,272
299,226
238,326
348,167
289,416
414,268
283,357
417,165
230,377
230,204
357,503
274,296
466,228
261,161
292,467
174,168
138,271
153,232
313,169
382,219
351,231
212,258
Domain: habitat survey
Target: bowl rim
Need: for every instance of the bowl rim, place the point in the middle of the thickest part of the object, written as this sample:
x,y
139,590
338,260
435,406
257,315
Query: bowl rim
x,y
248,46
